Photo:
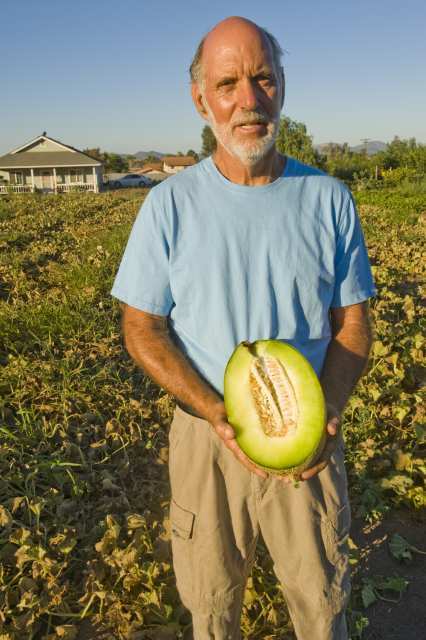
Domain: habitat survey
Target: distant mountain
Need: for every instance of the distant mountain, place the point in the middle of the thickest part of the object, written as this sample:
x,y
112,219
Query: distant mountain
x,y
373,146
141,155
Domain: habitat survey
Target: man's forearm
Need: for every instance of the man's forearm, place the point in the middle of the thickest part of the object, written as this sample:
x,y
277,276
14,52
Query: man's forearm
x,y
346,360
156,353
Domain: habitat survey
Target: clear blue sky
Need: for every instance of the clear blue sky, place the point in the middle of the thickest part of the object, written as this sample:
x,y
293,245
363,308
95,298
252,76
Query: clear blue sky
x,y
114,74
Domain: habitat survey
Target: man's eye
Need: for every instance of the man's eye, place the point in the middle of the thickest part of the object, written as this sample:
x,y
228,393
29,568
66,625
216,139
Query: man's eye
x,y
226,83
265,79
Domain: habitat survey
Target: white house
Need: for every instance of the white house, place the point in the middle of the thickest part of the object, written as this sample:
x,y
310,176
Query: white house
x,y
174,164
50,166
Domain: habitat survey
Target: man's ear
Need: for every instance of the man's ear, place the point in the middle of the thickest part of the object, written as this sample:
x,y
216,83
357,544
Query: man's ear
x,y
198,100
282,86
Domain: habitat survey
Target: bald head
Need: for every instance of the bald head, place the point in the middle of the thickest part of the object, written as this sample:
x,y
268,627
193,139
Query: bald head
x,y
233,29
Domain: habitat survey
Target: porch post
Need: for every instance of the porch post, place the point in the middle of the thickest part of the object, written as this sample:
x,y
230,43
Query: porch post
x,y
32,180
55,184
95,180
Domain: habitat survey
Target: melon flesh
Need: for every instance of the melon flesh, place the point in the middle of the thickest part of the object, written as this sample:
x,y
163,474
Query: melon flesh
x,y
274,402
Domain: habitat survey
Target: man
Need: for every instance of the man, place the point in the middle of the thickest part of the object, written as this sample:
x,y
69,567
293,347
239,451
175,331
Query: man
x,y
248,245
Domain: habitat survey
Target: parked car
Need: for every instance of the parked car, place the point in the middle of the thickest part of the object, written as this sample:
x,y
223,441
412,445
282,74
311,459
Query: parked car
x,y
132,180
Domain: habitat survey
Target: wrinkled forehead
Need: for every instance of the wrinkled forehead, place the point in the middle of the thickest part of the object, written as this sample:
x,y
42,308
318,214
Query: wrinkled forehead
x,y
236,49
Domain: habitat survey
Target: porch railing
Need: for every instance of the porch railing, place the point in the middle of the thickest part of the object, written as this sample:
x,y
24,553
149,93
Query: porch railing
x,y
60,188
75,186
17,188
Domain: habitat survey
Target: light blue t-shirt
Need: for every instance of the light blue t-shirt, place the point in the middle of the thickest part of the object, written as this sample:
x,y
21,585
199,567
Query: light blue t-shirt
x,y
228,262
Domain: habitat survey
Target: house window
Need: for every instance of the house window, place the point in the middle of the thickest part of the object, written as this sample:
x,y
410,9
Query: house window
x,y
17,177
76,175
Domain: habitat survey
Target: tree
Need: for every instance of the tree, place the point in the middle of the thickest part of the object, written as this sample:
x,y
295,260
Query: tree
x,y
349,166
208,141
335,150
116,163
192,154
151,158
404,153
94,153
135,162
294,140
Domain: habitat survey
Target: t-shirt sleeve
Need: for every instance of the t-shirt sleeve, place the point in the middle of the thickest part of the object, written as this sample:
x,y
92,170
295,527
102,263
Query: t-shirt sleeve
x,y
142,280
353,279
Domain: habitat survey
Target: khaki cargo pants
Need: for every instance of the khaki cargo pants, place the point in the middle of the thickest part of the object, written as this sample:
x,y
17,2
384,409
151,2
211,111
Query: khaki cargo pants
x,y
218,508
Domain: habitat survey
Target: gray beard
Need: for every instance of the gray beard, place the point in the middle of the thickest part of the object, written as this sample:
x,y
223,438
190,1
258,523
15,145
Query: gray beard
x,y
248,154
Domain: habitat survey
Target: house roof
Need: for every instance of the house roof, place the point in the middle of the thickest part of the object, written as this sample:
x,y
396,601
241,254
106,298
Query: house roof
x,y
179,161
66,157
46,159
152,166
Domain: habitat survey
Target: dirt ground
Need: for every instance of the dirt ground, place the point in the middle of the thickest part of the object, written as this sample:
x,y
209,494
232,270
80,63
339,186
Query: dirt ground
x,y
406,619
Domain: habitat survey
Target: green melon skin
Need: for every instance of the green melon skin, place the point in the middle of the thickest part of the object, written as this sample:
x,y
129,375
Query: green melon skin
x,y
292,454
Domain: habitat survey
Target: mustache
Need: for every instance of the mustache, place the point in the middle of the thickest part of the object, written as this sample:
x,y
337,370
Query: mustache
x,y
251,117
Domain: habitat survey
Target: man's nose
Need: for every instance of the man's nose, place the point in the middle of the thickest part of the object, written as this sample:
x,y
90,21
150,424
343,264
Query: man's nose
x,y
247,94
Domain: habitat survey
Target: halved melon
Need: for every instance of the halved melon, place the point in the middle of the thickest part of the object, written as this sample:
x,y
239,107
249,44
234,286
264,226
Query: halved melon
x,y
274,402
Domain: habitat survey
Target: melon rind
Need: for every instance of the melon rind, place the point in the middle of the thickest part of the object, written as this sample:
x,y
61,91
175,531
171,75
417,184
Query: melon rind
x,y
296,452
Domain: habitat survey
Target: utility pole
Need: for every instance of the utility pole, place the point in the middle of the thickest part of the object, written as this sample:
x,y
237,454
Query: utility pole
x,y
365,141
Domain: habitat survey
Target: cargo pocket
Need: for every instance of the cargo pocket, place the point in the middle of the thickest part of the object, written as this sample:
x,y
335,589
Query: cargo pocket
x,y
182,521
182,524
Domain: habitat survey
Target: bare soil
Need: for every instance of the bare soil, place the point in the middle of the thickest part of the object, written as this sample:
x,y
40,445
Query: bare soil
x,y
405,619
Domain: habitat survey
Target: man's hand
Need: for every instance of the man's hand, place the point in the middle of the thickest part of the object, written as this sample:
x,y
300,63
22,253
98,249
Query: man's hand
x,y
226,433
333,430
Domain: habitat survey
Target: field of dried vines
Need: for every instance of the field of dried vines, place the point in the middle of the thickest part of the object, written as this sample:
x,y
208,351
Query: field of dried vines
x,y
84,493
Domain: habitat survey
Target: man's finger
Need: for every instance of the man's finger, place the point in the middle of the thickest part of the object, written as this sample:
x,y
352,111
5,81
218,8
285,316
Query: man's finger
x,y
333,426
323,462
241,457
251,466
310,473
232,444
225,431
